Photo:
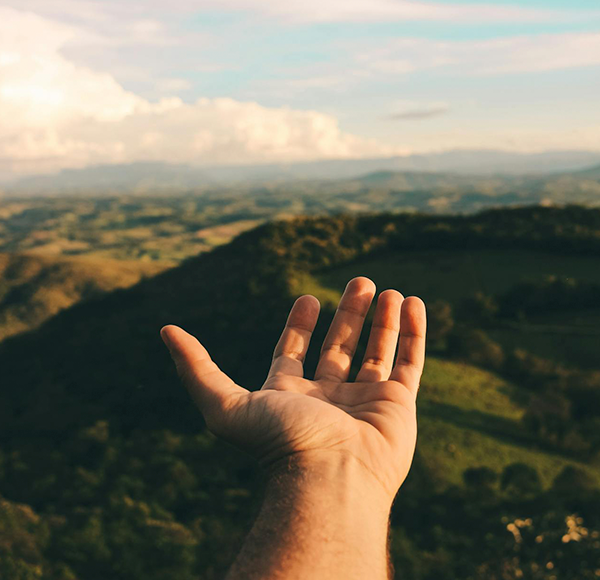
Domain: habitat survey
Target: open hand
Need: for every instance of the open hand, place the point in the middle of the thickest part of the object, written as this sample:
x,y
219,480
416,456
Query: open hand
x,y
373,419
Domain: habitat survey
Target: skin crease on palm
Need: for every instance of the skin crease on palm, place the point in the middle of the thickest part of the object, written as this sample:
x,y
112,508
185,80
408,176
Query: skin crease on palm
x,y
372,419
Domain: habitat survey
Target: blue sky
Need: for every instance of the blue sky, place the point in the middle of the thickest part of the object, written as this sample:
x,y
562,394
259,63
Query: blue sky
x,y
349,77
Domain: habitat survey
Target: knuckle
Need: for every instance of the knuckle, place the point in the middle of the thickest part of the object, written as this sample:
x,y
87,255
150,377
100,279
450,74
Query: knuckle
x,y
375,361
339,347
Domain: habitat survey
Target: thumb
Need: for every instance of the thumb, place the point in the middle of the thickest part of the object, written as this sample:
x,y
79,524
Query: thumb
x,y
211,389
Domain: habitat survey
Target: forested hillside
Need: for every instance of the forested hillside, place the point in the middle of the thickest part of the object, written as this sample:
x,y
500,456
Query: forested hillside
x,y
106,470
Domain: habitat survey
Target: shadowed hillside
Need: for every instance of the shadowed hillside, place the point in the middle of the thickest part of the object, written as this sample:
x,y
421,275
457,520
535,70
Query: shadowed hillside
x,y
244,289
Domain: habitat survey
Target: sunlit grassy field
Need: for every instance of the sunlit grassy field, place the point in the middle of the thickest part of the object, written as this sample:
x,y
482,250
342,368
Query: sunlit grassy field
x,y
470,417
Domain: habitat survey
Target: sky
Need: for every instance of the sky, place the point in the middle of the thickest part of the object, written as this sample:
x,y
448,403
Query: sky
x,y
87,82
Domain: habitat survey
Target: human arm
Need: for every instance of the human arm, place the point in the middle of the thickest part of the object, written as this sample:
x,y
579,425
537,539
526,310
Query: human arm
x,y
336,452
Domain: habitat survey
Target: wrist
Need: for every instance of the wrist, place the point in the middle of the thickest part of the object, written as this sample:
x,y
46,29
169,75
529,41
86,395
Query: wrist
x,y
336,475
330,508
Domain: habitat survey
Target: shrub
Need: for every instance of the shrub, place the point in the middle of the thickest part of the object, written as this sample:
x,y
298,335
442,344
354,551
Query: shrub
x,y
480,478
520,480
440,321
573,480
479,308
475,346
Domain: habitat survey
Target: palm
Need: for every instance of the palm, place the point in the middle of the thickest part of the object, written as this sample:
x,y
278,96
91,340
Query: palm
x,y
375,422
373,418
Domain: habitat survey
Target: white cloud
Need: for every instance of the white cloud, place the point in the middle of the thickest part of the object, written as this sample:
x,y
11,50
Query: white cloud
x,y
411,110
519,54
541,53
55,114
306,10
523,140
396,10
173,85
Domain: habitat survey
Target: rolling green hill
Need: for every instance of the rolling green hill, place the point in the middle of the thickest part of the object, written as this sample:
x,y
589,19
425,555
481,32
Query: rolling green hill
x,y
102,443
34,288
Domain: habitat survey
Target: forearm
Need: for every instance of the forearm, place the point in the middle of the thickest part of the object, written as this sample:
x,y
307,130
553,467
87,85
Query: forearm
x,y
323,519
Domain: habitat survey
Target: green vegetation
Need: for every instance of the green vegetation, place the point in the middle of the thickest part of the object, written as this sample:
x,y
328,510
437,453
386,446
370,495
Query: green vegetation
x,y
125,228
107,471
469,417
34,288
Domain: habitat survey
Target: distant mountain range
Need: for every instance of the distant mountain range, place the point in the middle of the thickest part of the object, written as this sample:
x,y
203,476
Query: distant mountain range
x,y
164,178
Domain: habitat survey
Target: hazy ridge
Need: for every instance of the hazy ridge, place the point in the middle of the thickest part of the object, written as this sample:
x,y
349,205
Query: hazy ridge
x,y
164,178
